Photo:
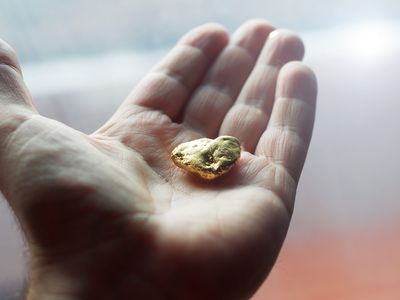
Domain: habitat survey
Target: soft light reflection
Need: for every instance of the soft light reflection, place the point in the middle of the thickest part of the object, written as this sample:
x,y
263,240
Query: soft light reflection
x,y
372,40
367,43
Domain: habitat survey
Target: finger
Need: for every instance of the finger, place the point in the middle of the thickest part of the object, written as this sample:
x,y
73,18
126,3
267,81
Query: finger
x,y
286,139
211,101
167,87
15,101
12,88
248,117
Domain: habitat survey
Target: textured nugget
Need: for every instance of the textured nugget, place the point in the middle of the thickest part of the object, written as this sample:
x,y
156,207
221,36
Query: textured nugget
x,y
207,158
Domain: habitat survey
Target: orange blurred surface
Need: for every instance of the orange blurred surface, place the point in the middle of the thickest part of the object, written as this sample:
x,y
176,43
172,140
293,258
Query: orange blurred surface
x,y
363,265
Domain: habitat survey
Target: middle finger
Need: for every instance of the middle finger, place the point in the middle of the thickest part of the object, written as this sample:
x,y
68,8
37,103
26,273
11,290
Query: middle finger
x,y
213,98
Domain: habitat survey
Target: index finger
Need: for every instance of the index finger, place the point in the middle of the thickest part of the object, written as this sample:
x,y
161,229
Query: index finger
x,y
169,85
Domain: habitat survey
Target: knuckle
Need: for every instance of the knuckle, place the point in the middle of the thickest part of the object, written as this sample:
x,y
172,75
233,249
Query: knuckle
x,y
8,56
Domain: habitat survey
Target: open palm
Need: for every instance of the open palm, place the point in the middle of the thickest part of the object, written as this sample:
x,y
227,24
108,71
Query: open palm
x,y
109,216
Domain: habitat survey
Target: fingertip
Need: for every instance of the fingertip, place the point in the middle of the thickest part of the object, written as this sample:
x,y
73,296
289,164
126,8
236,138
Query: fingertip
x,y
258,27
214,29
252,35
257,21
210,37
282,46
297,80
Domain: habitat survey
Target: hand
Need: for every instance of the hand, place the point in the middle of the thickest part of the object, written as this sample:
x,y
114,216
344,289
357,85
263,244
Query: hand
x,y
109,216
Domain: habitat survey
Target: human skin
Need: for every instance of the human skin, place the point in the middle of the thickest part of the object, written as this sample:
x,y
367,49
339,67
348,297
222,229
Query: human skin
x,y
109,216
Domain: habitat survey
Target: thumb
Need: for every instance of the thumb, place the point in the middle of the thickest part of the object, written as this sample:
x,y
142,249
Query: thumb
x,y
16,106
15,100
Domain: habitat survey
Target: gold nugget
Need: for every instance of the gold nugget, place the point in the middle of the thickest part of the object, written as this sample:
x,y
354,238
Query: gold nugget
x,y
207,158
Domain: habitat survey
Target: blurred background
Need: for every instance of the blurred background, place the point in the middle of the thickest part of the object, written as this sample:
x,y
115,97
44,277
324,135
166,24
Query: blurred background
x,y
81,58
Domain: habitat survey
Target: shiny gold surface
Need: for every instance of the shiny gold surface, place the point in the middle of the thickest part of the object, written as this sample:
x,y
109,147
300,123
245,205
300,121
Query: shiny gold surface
x,y
207,158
